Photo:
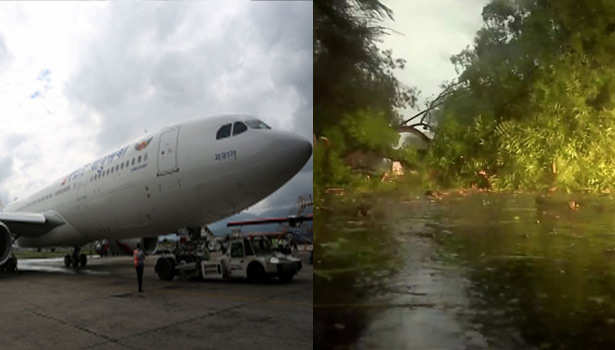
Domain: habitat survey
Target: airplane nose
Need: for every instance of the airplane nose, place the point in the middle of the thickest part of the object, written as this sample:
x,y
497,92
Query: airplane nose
x,y
281,156
298,148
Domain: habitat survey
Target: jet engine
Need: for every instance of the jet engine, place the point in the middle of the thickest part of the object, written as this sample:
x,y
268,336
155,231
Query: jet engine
x,y
6,243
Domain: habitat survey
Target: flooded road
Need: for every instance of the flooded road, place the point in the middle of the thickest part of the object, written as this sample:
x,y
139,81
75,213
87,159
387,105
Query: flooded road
x,y
474,272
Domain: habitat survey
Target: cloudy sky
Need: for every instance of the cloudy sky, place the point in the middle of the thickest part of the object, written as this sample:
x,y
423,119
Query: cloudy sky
x,y
78,79
427,33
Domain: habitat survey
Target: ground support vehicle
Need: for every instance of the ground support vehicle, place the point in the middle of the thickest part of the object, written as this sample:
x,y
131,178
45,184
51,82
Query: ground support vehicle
x,y
235,256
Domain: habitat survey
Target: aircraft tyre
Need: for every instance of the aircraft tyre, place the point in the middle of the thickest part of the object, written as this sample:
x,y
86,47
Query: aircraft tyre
x,y
83,260
256,272
165,268
67,260
10,265
74,260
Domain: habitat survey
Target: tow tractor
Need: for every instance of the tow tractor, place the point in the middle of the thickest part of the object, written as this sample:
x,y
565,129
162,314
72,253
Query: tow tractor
x,y
252,257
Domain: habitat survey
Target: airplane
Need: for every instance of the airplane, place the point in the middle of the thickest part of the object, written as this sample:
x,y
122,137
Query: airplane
x,y
187,174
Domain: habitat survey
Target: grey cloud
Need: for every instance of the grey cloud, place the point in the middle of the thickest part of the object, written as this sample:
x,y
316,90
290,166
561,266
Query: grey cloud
x,y
13,141
4,52
10,145
6,168
161,66
5,55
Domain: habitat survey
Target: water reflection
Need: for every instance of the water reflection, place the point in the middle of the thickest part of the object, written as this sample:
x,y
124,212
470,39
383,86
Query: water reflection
x,y
502,271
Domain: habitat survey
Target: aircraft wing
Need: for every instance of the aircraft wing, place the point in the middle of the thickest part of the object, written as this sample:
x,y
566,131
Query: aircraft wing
x,y
292,220
30,224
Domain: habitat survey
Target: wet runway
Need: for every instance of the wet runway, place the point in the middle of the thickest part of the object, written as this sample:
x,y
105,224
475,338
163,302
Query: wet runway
x,y
45,305
57,265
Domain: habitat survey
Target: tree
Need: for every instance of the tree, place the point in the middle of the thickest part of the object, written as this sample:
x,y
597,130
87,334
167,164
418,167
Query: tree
x,y
356,93
535,105
351,72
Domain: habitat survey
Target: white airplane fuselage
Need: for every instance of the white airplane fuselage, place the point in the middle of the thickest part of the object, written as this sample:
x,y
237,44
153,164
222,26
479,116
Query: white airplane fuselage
x,y
180,176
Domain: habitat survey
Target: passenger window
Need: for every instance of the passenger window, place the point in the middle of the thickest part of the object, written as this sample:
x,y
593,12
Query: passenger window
x,y
117,167
237,250
139,160
246,243
224,131
122,165
133,161
238,128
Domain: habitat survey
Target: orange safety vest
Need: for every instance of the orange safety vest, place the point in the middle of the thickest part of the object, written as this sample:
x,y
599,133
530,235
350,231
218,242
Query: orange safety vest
x,y
135,256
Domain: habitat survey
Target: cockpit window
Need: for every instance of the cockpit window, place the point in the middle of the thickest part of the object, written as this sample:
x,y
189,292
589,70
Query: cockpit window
x,y
238,128
257,124
224,131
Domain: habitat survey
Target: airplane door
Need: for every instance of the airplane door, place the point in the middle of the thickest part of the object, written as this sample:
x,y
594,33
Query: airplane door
x,y
167,152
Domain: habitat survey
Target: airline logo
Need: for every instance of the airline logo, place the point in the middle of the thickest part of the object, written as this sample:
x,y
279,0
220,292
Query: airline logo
x,y
141,145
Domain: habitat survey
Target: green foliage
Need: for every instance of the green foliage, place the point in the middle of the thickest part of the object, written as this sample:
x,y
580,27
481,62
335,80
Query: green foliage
x,y
329,168
459,151
363,130
537,105
368,130
409,156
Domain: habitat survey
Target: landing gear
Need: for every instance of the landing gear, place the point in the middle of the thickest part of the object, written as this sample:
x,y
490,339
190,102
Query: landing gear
x,y
75,260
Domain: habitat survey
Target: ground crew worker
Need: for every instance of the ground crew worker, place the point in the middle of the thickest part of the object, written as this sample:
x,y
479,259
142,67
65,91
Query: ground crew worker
x,y
139,259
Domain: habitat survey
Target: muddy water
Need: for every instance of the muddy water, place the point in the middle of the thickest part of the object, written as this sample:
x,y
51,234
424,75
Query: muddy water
x,y
475,272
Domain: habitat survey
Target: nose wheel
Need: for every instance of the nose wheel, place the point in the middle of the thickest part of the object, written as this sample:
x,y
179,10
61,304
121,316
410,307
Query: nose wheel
x,y
75,260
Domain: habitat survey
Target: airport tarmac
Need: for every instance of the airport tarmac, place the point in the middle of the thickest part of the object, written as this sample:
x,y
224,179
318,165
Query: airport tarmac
x,y
45,305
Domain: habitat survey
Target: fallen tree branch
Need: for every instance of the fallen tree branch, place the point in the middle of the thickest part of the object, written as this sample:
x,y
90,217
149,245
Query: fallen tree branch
x,y
412,129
